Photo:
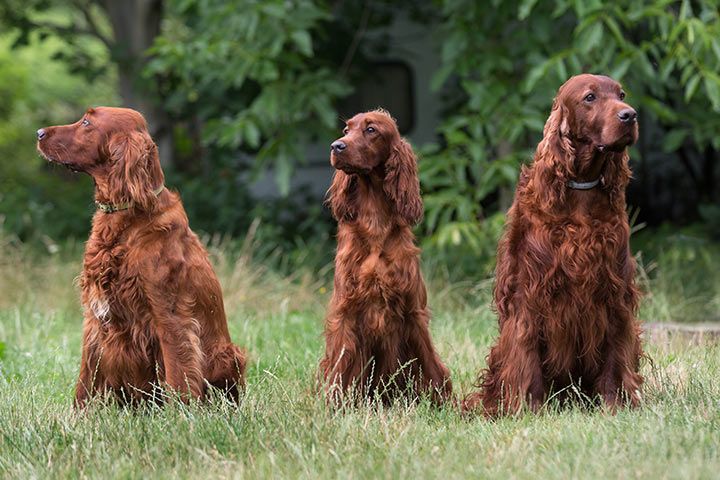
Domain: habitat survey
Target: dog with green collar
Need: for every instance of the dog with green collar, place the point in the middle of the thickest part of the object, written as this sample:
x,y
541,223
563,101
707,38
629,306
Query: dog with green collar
x,y
155,325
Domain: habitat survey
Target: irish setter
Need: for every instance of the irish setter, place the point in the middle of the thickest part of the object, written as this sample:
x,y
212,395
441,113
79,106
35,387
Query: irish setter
x,y
565,291
153,307
377,340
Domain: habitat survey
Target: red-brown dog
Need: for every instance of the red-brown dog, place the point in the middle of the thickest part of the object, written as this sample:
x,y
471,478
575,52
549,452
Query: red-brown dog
x,y
153,306
377,338
565,279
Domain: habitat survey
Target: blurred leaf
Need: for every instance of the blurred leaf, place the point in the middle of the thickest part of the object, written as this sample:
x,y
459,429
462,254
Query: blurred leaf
x,y
619,71
591,37
303,42
674,139
525,8
691,86
712,88
252,135
284,170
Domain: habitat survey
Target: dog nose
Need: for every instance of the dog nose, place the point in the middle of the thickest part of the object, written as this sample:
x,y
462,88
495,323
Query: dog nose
x,y
627,115
338,146
41,133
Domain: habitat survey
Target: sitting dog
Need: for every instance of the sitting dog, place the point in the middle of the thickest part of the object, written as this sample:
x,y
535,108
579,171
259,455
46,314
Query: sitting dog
x,y
377,338
153,306
565,278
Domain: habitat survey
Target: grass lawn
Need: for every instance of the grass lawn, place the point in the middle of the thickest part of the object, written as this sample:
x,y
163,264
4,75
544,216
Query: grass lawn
x,y
282,429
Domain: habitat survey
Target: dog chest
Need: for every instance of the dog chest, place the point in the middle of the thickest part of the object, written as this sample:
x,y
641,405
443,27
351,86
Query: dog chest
x,y
110,290
585,254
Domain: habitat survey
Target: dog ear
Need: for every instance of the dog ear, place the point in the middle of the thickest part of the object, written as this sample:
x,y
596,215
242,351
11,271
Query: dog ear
x,y
340,196
554,161
401,183
136,169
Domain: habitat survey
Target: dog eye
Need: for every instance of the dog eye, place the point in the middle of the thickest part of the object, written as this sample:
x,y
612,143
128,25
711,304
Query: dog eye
x,y
590,97
622,95
345,130
370,130
85,122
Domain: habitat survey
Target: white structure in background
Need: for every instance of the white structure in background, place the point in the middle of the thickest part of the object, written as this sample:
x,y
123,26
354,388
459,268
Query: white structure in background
x,y
400,83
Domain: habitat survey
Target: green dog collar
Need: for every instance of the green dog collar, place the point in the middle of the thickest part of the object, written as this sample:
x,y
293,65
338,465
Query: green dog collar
x,y
112,208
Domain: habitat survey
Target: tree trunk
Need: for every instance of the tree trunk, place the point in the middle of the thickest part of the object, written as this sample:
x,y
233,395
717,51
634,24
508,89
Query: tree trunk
x,y
135,25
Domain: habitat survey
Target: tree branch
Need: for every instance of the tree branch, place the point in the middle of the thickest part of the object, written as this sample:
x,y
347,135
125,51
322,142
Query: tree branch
x,y
362,26
687,163
92,29
84,8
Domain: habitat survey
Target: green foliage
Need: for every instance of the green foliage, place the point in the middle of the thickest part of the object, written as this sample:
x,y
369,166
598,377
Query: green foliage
x,y
679,273
39,202
710,213
249,85
249,71
287,232
77,24
502,64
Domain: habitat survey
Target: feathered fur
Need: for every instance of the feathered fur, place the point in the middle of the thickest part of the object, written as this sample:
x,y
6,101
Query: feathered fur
x,y
377,337
565,291
153,306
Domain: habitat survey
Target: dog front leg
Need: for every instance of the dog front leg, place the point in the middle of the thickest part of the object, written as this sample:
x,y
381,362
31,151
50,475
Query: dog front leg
x,y
435,375
342,366
514,376
182,355
91,379
619,381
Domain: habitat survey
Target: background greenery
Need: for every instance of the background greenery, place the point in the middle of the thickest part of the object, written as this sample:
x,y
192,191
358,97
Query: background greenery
x,y
234,88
